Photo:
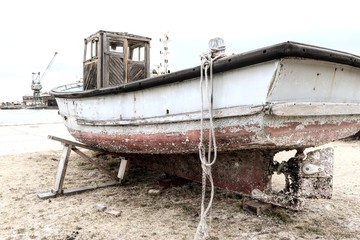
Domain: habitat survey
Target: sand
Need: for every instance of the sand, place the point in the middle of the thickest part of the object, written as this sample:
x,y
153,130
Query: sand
x,y
28,167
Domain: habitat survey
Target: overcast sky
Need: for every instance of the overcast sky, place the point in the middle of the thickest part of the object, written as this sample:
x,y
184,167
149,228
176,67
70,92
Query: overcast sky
x,y
33,30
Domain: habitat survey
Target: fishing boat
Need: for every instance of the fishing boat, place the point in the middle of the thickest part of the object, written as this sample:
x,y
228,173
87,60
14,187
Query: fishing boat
x,y
250,105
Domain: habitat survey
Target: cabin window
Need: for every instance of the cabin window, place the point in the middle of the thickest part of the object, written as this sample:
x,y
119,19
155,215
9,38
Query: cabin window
x,y
137,52
88,51
91,49
94,46
116,47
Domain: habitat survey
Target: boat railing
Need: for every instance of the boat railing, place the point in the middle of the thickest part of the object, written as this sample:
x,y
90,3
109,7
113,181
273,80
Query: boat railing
x,y
70,87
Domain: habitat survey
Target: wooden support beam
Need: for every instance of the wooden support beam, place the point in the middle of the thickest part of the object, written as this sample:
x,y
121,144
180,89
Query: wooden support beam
x,y
122,168
61,170
65,141
60,174
76,190
101,168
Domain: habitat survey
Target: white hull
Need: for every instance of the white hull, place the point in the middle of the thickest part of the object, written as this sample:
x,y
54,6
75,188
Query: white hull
x,y
284,103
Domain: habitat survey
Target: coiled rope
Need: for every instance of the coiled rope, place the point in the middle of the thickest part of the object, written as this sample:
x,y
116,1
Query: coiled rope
x,y
207,89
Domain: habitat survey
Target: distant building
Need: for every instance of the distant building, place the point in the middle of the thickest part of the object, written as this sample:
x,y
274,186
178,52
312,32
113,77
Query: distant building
x,y
46,100
11,105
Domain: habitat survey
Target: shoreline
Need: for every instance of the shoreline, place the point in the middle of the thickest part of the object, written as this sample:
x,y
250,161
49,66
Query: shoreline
x,y
29,138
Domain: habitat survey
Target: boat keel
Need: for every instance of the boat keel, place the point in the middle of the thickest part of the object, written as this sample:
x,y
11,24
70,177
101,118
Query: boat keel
x,y
249,172
239,171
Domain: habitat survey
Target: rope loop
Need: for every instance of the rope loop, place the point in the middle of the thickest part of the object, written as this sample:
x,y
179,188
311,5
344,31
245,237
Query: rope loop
x,y
207,156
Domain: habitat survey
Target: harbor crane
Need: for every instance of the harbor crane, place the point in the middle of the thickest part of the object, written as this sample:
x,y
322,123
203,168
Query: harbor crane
x,y
37,80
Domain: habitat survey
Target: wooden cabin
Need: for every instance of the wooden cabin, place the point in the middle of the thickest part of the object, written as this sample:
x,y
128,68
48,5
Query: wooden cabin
x,y
115,58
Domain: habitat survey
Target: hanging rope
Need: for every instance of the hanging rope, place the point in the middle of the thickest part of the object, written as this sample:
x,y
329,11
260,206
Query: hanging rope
x,y
207,89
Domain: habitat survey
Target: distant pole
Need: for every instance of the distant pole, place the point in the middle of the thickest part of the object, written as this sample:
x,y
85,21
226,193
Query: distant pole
x,y
165,52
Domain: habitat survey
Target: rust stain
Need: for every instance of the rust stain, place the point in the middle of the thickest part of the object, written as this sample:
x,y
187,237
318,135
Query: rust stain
x,y
228,138
239,171
272,134
310,134
333,82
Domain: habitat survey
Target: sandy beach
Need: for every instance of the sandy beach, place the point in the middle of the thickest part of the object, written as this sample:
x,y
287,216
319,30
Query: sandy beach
x,y
28,162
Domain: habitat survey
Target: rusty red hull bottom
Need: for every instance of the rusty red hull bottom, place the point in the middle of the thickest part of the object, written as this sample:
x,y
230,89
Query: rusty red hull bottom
x,y
273,134
249,172
240,171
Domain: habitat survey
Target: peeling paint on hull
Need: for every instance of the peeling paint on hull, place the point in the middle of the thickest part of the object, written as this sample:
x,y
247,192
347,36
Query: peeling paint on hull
x,y
274,134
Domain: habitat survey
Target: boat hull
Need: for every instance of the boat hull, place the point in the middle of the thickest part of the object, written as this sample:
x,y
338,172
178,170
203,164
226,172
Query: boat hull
x,y
280,104
290,96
